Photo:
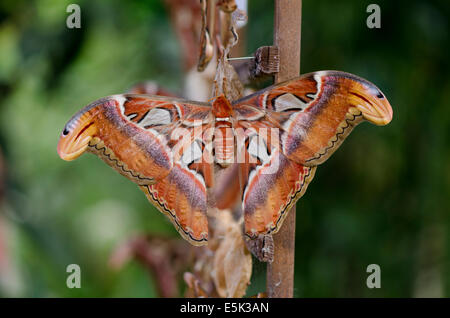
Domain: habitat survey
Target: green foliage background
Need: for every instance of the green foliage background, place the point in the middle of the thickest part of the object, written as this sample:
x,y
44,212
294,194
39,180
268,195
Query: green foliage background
x,y
383,198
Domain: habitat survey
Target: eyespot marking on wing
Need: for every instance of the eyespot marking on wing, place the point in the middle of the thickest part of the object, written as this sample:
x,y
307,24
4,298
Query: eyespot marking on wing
x,y
288,101
192,154
258,148
155,117
132,116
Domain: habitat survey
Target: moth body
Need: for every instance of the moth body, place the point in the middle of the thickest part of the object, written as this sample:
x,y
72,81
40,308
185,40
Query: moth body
x,y
224,139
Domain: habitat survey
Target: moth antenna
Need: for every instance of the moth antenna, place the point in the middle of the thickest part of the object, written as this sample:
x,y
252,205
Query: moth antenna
x,y
211,99
224,85
216,85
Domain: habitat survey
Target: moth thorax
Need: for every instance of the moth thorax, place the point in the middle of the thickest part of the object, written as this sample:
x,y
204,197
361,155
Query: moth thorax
x,y
221,107
224,144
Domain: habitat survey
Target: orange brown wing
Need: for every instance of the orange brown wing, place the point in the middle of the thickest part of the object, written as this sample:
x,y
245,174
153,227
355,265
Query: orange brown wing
x,y
315,112
156,142
296,126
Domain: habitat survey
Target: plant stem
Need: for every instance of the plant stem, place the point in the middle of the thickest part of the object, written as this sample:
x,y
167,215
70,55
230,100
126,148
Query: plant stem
x,y
287,35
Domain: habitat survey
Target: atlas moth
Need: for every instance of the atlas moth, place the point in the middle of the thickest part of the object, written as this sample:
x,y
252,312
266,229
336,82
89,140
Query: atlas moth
x,y
269,143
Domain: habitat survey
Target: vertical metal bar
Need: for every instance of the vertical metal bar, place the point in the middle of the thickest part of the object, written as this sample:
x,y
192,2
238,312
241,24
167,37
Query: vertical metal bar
x,y
287,35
